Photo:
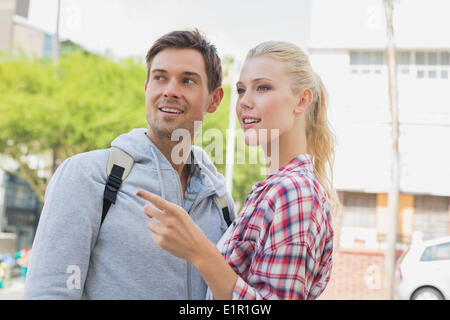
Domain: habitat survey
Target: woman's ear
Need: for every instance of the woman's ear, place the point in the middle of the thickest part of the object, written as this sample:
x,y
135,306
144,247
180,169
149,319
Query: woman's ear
x,y
305,100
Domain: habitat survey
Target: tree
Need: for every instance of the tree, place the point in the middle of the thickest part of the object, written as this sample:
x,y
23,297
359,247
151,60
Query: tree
x,y
82,105
57,112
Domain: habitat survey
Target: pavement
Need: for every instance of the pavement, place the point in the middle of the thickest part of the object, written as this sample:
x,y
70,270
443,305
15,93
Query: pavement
x,y
14,290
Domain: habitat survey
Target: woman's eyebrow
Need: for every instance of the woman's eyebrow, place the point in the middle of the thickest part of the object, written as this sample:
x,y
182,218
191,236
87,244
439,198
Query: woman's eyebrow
x,y
255,80
261,78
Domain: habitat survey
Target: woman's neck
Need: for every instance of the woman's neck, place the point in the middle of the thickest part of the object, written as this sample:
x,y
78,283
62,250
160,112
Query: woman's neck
x,y
283,149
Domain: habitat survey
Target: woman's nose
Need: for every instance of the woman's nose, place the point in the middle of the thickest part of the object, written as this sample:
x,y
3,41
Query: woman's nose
x,y
245,101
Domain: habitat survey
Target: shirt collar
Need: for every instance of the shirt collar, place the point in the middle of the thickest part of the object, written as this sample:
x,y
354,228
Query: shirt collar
x,y
302,162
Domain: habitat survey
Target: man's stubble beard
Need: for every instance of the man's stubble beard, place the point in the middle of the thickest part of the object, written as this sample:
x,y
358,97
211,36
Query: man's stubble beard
x,y
166,132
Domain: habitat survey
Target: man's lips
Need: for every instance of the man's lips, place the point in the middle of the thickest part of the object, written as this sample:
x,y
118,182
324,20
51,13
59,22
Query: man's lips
x,y
171,110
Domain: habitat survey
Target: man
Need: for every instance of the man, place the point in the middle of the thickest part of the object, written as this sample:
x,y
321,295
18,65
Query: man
x,y
74,256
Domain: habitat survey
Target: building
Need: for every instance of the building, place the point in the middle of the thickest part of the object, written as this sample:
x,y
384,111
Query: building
x,y
19,205
17,34
347,49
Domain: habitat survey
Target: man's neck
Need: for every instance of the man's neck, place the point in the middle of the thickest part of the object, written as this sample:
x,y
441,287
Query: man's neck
x,y
176,152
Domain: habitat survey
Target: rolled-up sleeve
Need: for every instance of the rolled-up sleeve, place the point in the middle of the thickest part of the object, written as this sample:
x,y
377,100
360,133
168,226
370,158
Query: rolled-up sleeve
x,y
286,272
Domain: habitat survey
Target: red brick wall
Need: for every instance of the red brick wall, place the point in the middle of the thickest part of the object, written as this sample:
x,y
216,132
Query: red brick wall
x,y
356,274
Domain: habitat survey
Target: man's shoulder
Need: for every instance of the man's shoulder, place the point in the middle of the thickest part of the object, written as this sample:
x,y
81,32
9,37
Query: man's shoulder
x,y
87,164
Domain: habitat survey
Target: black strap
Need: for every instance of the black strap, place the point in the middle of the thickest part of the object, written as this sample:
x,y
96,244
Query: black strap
x,y
111,188
226,215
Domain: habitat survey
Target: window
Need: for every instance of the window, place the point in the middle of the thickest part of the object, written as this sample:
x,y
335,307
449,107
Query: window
x,y
432,64
359,221
436,253
431,216
360,209
404,58
445,58
367,62
415,64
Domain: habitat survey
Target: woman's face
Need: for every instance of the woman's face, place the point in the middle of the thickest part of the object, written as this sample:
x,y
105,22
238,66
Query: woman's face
x,y
265,101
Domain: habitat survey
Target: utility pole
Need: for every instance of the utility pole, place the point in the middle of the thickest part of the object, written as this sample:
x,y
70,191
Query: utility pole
x,y
231,131
393,202
55,46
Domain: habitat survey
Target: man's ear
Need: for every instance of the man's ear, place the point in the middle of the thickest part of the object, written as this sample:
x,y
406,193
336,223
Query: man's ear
x,y
305,100
145,85
217,96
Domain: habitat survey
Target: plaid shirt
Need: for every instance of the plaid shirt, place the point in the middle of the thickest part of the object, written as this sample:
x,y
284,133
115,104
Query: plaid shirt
x,y
281,243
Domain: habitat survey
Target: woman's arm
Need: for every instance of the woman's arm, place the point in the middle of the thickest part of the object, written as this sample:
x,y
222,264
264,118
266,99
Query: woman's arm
x,y
177,233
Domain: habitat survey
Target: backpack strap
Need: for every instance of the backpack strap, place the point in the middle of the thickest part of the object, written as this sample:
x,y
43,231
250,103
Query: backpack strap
x,y
222,202
119,166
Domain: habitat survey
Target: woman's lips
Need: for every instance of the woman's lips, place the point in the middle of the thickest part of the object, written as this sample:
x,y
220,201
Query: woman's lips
x,y
249,122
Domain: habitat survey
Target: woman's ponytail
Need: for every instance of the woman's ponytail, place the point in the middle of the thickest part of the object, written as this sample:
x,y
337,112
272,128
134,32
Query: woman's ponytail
x,y
321,140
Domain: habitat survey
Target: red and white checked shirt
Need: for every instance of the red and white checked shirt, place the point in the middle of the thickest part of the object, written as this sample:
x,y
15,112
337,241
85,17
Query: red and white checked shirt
x,y
281,243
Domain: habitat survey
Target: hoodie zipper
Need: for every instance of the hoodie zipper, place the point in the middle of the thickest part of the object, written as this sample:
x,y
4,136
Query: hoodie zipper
x,y
189,266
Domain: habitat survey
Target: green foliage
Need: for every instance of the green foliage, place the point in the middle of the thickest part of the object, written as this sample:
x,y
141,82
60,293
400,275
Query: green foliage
x,y
82,105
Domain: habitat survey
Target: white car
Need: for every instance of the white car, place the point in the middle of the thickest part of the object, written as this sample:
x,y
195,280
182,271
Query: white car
x,y
423,272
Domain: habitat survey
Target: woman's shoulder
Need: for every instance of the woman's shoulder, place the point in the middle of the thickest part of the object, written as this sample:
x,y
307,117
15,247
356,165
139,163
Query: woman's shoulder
x,y
293,184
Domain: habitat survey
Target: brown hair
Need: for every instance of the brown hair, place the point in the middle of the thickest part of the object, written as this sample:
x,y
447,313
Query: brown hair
x,y
190,40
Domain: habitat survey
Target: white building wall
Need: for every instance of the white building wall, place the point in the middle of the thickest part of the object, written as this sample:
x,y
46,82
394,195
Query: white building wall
x,y
361,24
359,103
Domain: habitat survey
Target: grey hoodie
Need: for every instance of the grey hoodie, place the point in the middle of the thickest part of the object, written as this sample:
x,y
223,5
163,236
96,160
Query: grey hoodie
x,y
73,258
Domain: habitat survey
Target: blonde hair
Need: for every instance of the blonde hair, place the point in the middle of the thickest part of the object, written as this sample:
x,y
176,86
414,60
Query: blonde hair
x,y
319,135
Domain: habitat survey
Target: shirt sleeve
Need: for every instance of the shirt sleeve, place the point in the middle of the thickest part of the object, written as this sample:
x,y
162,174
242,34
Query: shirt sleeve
x,y
283,273
65,236
296,260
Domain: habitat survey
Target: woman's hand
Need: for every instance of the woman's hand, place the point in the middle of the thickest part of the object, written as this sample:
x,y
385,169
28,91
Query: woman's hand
x,y
177,233
174,231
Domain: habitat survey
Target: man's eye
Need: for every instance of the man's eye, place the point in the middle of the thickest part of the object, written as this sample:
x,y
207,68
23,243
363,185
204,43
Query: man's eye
x,y
188,81
157,78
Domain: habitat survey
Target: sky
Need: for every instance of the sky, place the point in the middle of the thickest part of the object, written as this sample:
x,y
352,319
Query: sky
x,y
129,27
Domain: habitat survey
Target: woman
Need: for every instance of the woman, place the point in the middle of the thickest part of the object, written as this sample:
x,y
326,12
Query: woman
x,y
280,245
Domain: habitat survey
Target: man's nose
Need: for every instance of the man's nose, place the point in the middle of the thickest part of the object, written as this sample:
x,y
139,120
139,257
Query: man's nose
x,y
172,90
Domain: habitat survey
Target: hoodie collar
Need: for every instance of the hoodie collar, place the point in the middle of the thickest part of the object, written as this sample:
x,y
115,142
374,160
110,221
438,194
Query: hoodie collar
x,y
137,144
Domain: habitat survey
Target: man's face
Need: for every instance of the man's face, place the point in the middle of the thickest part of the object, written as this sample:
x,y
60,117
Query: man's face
x,y
176,93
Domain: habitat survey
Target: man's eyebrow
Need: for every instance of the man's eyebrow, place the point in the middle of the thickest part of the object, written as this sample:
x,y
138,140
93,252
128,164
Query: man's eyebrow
x,y
186,73
159,70
190,73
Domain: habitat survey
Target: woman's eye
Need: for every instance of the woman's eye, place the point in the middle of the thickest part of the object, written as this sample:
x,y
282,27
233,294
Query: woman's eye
x,y
263,88
240,91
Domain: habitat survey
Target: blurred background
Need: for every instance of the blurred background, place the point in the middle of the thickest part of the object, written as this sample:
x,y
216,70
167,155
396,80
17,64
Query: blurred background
x,y
72,79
